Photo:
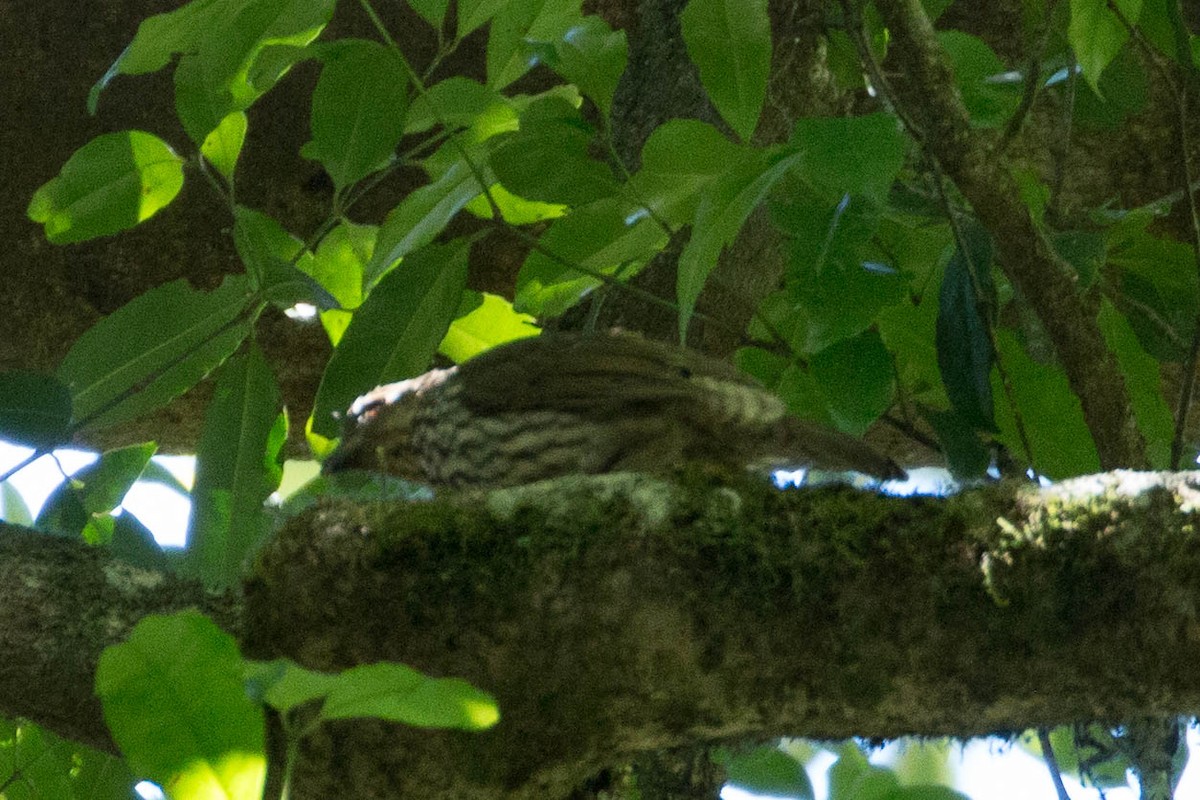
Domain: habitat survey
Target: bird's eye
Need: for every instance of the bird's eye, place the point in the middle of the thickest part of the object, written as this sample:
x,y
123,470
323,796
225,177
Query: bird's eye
x,y
684,372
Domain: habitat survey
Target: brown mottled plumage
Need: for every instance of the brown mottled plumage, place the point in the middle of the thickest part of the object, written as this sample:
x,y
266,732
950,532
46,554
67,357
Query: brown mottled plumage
x,y
564,404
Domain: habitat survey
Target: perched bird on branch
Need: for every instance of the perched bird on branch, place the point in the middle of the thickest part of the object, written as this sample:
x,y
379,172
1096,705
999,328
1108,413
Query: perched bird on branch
x,y
562,404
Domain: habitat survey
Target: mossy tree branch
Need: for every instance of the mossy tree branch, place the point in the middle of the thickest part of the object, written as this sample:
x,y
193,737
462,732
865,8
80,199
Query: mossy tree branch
x,y
618,615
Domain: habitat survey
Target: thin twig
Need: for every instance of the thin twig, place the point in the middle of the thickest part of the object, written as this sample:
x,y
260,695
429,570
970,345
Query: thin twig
x,y
1052,764
1033,83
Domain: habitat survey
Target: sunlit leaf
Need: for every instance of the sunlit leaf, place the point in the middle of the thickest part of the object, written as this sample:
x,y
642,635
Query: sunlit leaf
x,y
111,183
174,700
484,321
212,78
13,508
223,146
401,694
37,764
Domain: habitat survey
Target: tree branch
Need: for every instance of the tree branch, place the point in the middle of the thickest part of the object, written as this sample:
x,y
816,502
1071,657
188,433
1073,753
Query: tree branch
x,y
617,615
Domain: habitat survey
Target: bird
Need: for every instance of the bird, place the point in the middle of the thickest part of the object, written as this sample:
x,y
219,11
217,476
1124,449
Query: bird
x,y
566,403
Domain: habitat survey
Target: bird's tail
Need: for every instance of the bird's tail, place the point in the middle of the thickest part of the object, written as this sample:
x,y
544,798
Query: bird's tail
x,y
804,444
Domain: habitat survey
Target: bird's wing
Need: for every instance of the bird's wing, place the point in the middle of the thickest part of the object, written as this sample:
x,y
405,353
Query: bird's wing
x,y
587,373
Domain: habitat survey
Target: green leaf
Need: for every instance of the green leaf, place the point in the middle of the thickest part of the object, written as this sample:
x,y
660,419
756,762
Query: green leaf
x,y
730,42
855,155
1143,380
457,102
522,27
835,288
421,216
396,331
723,209
94,490
852,778
856,379
976,67
608,236
110,184
133,543
484,321
13,509
926,793
341,261
679,160
153,349
238,465
966,306
276,261
212,79
174,700
1122,93
547,159
514,210
398,693
158,38
223,146
35,409
1083,250
1062,445
769,770
967,457
1091,746
909,331
357,110
283,684
1097,35
1159,275
592,56
432,11
473,13
38,765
